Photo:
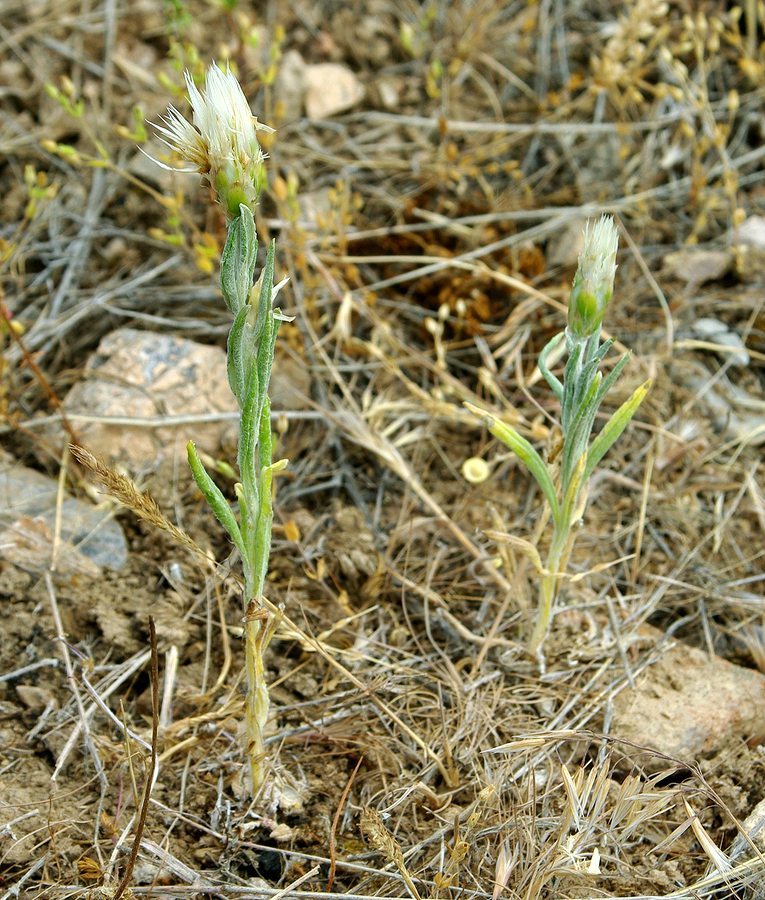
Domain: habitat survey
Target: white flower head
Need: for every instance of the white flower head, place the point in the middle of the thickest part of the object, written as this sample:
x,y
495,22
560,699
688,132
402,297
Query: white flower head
x,y
593,284
222,143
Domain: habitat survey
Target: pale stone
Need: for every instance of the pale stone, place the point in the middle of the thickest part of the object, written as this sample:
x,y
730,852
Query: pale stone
x,y
389,90
330,89
694,265
89,537
147,376
289,86
688,705
714,331
751,232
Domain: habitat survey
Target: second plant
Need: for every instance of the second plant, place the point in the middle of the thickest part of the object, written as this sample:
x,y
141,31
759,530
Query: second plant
x,y
580,393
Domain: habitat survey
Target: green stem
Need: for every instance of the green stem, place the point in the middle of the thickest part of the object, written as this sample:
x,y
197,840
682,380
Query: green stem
x,y
548,587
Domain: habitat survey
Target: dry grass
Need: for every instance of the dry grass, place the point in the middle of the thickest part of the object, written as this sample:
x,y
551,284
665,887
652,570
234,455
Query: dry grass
x,y
417,750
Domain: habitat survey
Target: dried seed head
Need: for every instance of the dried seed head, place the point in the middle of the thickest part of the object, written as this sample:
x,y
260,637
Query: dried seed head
x,y
594,280
222,143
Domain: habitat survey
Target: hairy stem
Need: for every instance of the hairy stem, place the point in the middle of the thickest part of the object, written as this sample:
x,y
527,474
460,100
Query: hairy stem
x,y
257,628
548,586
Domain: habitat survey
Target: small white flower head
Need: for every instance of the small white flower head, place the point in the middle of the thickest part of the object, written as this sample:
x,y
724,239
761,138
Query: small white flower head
x,y
475,470
593,284
222,143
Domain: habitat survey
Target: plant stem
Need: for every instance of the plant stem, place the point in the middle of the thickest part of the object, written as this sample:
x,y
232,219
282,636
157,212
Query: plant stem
x,y
548,587
257,632
259,623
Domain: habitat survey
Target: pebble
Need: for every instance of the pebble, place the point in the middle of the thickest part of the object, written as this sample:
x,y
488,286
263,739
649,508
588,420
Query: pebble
x,y
695,265
145,375
689,705
330,89
713,331
90,539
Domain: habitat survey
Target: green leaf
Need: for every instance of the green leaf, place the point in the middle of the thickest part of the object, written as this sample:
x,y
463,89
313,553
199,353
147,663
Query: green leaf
x,y
265,438
264,520
552,380
611,378
235,356
215,499
266,328
573,490
237,263
568,403
249,426
577,437
525,452
265,360
614,427
266,287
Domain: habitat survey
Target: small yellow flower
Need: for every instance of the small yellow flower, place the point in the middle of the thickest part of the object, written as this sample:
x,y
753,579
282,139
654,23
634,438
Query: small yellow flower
x,y
222,143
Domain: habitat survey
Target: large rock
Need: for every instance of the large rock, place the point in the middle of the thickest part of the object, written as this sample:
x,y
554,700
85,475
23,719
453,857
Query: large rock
x,y
148,376
689,705
145,375
330,89
89,538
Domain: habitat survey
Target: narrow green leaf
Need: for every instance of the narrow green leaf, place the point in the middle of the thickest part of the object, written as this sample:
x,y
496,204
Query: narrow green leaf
x,y
552,380
572,492
265,361
577,437
265,438
265,288
248,437
235,357
237,263
215,499
264,522
525,452
611,378
614,427
571,374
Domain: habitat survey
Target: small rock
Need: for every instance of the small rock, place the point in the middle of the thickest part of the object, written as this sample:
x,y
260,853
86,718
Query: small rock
x,y
282,833
330,89
36,698
89,538
730,409
389,91
751,233
290,385
714,331
145,375
689,705
289,86
695,265
28,544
